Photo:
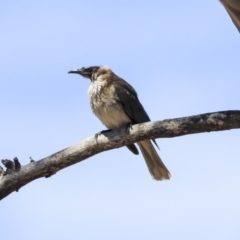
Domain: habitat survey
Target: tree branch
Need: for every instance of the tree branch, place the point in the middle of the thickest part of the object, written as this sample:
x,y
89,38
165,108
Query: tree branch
x,y
17,176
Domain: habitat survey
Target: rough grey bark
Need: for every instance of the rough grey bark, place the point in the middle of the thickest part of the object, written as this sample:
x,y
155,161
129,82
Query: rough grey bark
x,y
17,176
233,9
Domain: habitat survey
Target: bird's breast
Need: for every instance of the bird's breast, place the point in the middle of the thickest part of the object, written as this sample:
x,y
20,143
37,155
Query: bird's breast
x,y
105,106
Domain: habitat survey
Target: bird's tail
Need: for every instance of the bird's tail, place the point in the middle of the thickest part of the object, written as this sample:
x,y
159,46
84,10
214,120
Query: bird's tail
x,y
155,165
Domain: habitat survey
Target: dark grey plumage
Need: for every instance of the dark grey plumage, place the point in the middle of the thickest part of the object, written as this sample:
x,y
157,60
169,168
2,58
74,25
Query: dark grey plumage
x,y
116,104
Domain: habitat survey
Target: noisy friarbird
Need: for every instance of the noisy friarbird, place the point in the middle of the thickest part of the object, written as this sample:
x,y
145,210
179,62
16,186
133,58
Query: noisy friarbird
x,y
116,104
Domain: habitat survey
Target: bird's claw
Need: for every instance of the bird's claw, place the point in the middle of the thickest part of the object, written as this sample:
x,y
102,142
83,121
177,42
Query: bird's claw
x,y
129,127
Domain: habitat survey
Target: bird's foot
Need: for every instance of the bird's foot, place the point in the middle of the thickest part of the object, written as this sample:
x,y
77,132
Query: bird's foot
x,y
129,127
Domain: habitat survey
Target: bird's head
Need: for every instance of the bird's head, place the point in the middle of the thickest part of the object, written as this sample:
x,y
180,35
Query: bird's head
x,y
86,72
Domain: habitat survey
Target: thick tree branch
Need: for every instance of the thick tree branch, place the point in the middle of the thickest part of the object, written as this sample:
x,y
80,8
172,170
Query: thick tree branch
x,y
18,176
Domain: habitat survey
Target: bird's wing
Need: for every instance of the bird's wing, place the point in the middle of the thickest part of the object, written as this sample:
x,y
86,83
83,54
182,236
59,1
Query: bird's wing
x,y
128,99
233,9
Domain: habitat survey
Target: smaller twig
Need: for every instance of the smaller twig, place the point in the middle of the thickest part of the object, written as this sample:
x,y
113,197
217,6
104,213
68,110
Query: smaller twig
x,y
1,172
11,166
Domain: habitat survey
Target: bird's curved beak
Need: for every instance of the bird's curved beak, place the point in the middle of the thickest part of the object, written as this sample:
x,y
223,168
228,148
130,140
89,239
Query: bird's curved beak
x,y
85,72
78,71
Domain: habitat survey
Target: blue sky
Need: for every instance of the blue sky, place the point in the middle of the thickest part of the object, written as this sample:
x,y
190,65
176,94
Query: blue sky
x,y
182,58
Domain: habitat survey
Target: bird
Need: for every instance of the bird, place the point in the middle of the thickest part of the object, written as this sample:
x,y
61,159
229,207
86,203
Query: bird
x,y
115,102
233,9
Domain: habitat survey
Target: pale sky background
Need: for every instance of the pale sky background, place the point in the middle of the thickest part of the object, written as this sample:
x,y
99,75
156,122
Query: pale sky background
x,y
182,57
